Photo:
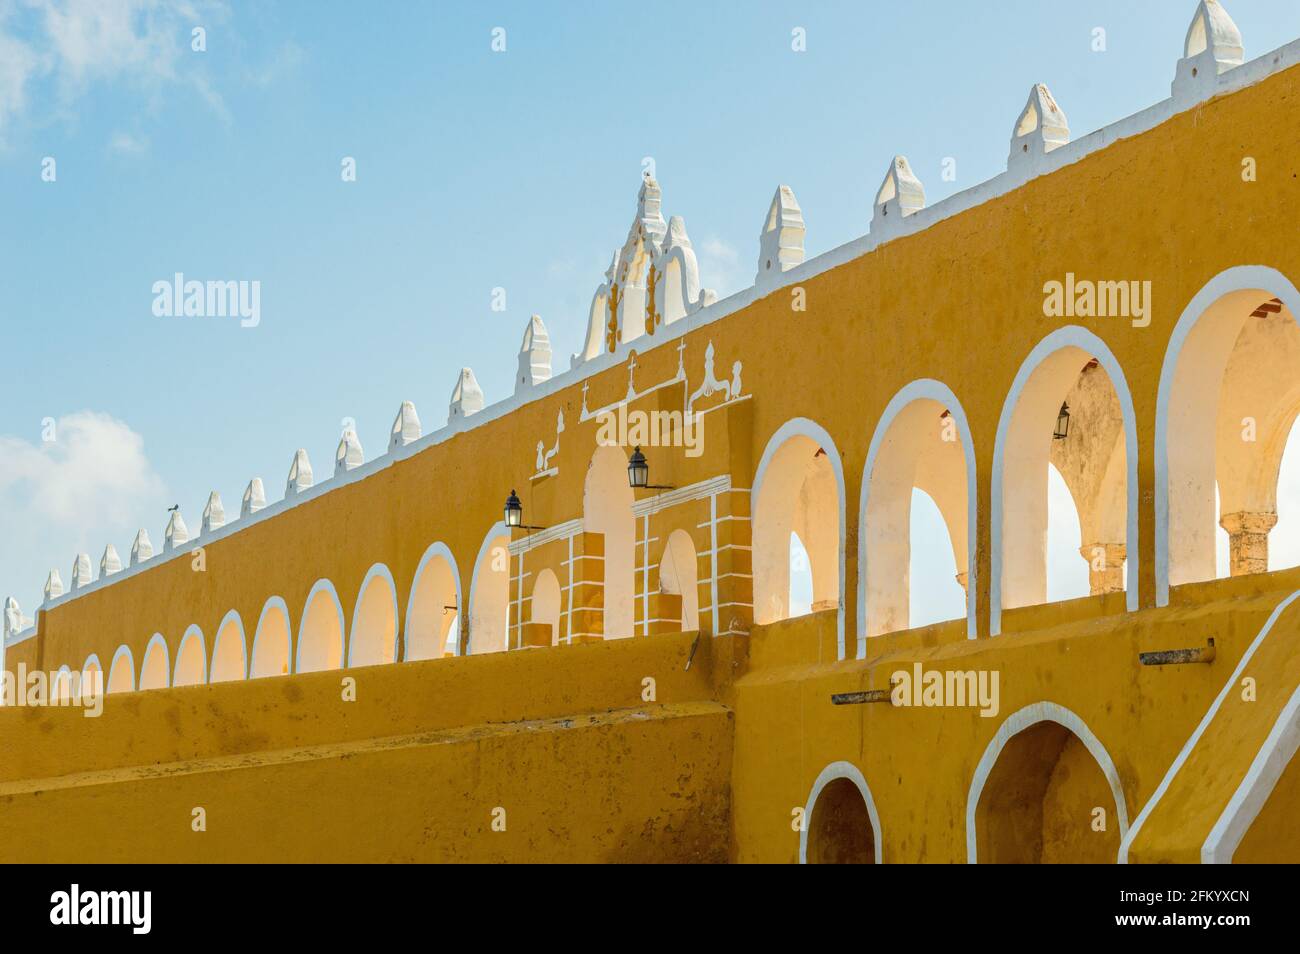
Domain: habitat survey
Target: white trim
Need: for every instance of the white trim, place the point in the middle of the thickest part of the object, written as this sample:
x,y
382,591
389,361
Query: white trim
x,y
1199,731
160,640
1069,336
320,586
1016,723
191,631
130,659
435,550
671,498
381,571
498,530
922,389
272,601
243,642
829,774
1241,278
98,665
537,538
796,427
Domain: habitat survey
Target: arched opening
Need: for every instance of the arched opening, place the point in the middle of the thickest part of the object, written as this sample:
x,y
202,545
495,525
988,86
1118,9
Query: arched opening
x,y
228,655
545,604
432,615
1229,397
678,576
798,489
1045,792
1284,539
607,509
941,596
272,641
121,672
489,594
62,691
801,583
1069,409
921,444
840,821
191,659
1067,575
320,634
92,676
155,670
374,621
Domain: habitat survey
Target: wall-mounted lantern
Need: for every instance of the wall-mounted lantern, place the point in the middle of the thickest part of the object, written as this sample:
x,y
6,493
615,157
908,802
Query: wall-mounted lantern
x,y
638,473
515,514
1062,423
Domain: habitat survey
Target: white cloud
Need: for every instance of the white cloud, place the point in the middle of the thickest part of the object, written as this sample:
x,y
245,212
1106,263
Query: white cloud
x,y
72,494
124,144
720,267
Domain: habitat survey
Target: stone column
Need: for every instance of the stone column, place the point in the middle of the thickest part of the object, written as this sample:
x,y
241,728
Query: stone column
x,y
1105,566
1248,540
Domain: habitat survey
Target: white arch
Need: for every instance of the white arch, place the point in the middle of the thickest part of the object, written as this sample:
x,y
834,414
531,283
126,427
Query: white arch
x,y
192,632
156,640
1083,339
498,530
435,550
222,628
802,426
123,650
61,688
93,658
1016,723
1239,279
380,571
829,774
924,388
273,603
320,586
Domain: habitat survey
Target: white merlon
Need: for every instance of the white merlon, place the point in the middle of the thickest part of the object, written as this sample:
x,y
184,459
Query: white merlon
x,y
1042,127
534,356
1213,46
14,620
900,195
299,474
466,397
780,244
53,586
348,455
214,514
254,498
677,284
141,548
110,562
176,534
406,426
81,571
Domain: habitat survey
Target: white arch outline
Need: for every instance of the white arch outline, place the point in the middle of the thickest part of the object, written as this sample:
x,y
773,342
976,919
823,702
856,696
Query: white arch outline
x,y
94,658
499,529
1077,337
795,427
243,642
1240,278
167,659
190,632
130,659
829,774
435,549
271,601
1012,726
922,389
320,586
376,570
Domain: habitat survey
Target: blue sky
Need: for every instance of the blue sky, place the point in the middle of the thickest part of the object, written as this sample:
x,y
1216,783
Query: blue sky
x,y
475,170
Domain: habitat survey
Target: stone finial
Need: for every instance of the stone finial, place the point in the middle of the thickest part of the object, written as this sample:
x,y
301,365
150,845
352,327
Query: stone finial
x,y
349,455
299,474
900,195
141,548
1213,46
466,397
81,571
14,620
214,514
534,356
110,562
1042,127
406,426
176,534
254,498
53,586
649,218
780,244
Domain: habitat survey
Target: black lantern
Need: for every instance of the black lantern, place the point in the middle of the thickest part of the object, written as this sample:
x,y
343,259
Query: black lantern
x,y
515,514
1062,423
638,473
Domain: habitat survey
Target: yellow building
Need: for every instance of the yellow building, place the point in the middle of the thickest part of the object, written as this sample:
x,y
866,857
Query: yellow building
x,y
622,676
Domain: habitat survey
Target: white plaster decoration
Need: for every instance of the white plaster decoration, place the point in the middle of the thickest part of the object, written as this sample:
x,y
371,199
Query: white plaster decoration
x,y
900,195
141,547
598,317
299,474
214,514
780,244
14,620
110,562
711,384
53,586
466,397
406,426
1213,46
176,533
534,356
829,774
544,456
1041,128
348,455
81,571
254,498
677,278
